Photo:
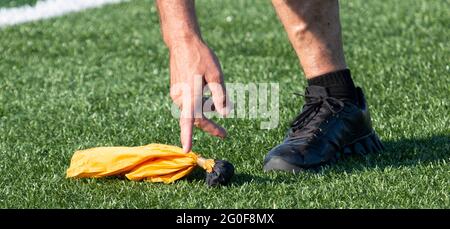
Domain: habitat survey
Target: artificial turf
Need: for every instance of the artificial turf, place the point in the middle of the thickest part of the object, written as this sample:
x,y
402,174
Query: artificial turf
x,y
16,3
100,78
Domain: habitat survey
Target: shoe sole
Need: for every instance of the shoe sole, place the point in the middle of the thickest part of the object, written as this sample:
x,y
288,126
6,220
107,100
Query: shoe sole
x,y
368,144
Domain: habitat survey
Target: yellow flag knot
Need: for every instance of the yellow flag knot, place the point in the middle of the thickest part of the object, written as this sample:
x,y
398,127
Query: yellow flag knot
x,y
153,163
206,164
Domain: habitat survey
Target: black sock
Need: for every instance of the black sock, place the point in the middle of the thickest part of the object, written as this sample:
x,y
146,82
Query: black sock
x,y
339,84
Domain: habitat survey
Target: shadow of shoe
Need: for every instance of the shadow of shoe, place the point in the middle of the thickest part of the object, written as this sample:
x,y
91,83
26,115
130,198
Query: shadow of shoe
x,y
397,153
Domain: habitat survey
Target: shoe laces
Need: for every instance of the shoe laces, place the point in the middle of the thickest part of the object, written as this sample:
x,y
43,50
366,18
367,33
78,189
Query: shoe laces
x,y
312,108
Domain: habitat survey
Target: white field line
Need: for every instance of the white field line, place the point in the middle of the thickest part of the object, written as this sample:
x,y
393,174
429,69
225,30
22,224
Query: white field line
x,y
47,9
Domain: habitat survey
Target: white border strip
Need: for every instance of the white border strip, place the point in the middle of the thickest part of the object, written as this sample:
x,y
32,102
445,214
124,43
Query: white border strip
x,y
47,9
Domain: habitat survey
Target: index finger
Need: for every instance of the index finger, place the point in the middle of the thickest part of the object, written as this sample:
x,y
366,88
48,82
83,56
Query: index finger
x,y
186,126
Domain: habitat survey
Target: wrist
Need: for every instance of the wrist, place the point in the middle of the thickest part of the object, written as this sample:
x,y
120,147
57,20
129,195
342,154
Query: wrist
x,y
182,38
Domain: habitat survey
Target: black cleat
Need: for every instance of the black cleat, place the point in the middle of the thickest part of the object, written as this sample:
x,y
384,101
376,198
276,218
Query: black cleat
x,y
326,128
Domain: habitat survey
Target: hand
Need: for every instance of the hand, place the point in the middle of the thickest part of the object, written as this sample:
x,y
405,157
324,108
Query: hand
x,y
192,66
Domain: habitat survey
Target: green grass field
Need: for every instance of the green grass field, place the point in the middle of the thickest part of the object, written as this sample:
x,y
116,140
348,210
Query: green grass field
x,y
100,78
16,3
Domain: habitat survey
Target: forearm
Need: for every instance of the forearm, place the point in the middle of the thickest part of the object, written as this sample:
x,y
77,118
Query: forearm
x,y
178,21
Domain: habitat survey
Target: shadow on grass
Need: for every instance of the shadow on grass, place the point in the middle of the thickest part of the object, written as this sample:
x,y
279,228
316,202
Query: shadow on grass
x,y
398,153
199,175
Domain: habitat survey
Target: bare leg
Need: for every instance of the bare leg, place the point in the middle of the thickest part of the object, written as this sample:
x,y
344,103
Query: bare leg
x,y
334,118
314,30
